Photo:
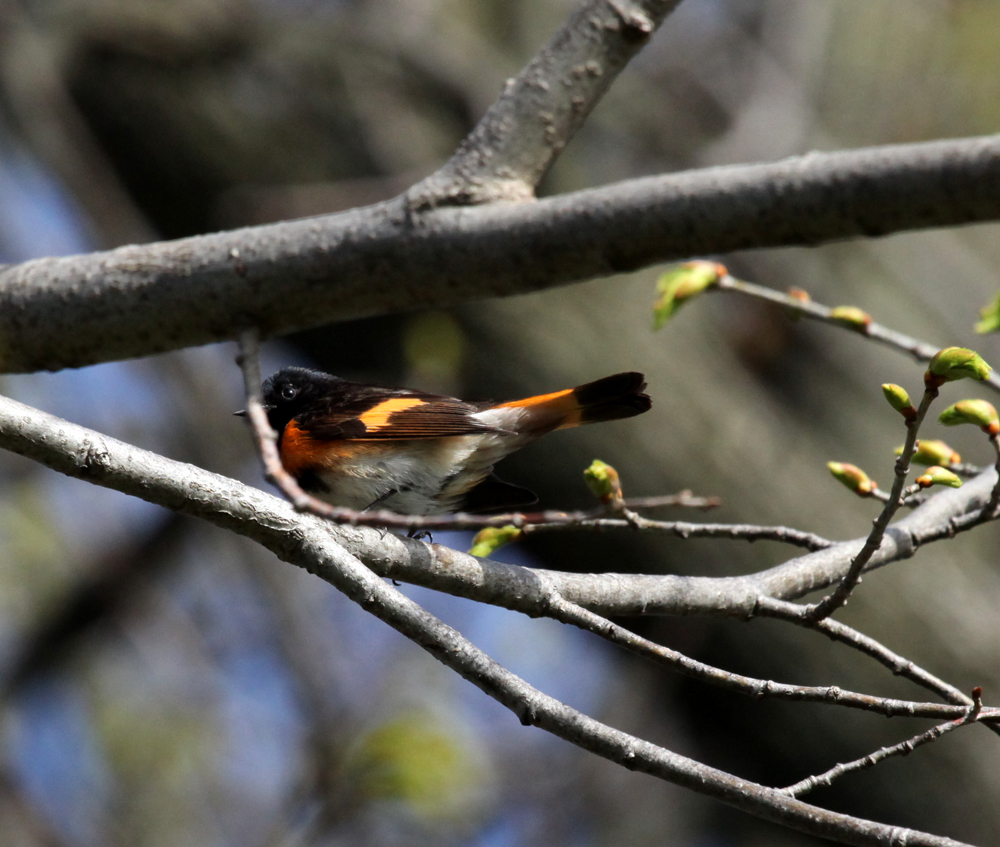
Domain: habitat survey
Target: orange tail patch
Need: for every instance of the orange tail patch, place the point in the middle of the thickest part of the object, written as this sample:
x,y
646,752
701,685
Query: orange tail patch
x,y
608,399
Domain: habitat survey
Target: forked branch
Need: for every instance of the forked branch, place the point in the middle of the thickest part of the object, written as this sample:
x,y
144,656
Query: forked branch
x,y
314,544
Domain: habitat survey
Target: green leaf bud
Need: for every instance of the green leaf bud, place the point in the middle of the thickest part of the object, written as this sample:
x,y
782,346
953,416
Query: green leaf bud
x,y
852,316
603,480
853,477
990,317
680,284
490,539
977,412
932,451
899,399
958,363
938,476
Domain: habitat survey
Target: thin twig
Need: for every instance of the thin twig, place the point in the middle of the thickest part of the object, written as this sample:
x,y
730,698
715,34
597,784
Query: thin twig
x,y
265,438
684,529
571,613
681,498
899,665
992,509
838,597
904,748
921,351
834,629
877,493
966,469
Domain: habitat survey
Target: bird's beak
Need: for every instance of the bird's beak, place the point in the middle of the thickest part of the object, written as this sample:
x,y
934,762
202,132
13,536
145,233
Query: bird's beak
x,y
242,413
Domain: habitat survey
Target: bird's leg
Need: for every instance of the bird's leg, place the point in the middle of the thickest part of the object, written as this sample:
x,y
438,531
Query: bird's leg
x,y
415,533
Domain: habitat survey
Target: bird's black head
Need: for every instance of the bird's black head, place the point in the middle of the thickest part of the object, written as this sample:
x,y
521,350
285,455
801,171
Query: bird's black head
x,y
291,390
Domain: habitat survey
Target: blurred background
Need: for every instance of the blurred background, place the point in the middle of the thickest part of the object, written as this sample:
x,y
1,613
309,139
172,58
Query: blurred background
x,y
163,683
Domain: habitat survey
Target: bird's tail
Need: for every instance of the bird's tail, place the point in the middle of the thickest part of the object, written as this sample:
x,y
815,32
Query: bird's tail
x,y
608,399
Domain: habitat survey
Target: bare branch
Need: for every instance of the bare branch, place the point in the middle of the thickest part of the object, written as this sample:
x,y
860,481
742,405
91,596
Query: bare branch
x,y
83,453
681,498
904,748
937,518
921,351
681,529
532,707
523,132
134,301
265,438
837,631
313,544
992,509
830,695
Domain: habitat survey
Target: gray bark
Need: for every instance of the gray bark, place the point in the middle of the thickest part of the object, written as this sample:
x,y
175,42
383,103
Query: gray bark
x,y
328,551
138,300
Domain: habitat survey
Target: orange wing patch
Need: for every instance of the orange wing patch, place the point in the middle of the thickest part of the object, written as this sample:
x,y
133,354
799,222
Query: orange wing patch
x,y
377,417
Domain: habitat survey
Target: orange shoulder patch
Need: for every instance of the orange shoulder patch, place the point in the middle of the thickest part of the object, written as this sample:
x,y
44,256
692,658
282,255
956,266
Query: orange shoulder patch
x,y
377,417
300,451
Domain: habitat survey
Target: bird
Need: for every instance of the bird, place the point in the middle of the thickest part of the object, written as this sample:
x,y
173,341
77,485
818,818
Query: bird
x,y
363,446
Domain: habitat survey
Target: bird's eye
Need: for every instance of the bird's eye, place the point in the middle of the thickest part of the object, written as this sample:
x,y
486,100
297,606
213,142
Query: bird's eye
x,y
288,392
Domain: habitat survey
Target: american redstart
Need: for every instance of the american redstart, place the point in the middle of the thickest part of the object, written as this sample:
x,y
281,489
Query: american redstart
x,y
364,446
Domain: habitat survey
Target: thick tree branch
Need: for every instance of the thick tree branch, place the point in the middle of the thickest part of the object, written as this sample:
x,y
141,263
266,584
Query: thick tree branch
x,y
314,544
335,565
138,300
83,453
523,132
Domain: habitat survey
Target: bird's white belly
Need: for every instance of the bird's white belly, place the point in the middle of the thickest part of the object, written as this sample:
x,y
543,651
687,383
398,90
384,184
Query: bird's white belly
x,y
409,476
